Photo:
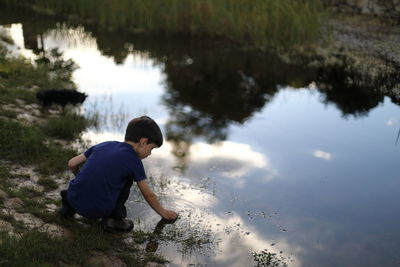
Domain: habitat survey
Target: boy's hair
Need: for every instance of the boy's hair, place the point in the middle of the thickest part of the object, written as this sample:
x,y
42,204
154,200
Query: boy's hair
x,y
146,127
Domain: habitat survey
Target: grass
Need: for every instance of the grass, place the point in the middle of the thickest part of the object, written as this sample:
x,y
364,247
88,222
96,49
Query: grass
x,y
9,114
35,248
26,251
47,183
20,143
66,127
26,145
259,23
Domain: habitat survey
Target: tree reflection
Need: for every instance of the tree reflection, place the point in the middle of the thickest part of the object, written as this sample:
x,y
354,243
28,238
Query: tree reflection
x,y
210,85
342,88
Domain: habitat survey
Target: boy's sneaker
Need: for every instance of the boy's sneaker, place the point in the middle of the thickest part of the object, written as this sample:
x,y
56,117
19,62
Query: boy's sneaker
x,y
66,211
116,225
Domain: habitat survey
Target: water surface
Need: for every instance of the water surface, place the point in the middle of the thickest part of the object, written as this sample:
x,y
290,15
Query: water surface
x,y
259,154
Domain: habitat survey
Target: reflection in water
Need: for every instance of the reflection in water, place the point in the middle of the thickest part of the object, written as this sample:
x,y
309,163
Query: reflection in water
x,y
153,242
340,88
224,239
209,86
322,154
226,159
101,110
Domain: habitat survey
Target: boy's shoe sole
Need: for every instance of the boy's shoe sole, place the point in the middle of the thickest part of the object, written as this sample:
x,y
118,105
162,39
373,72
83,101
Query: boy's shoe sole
x,y
116,225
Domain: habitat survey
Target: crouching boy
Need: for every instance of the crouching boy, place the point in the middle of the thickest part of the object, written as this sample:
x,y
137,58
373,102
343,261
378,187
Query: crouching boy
x,y
101,187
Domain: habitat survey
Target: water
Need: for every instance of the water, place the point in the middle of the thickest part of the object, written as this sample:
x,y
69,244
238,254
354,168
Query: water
x,y
258,156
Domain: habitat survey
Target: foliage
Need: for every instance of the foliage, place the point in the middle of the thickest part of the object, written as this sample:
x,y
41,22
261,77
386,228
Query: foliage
x,y
257,22
58,67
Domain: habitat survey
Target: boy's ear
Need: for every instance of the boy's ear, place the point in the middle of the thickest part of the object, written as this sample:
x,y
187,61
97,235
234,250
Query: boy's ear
x,y
143,141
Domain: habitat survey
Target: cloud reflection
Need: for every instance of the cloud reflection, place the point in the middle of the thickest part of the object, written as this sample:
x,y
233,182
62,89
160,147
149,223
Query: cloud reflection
x,y
322,155
98,73
391,122
226,159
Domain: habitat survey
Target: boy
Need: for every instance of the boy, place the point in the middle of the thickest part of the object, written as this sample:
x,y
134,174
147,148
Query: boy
x,y
101,188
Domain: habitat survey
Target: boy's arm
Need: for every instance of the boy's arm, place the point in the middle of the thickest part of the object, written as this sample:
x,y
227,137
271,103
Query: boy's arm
x,y
152,199
73,164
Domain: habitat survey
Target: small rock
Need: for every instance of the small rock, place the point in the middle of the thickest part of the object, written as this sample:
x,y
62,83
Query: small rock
x,y
153,264
102,259
3,194
56,231
6,226
51,207
13,203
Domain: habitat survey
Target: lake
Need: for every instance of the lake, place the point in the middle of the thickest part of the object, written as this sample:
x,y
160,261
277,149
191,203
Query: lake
x,y
262,158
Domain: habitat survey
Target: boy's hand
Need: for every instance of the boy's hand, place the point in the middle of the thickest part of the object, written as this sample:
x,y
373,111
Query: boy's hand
x,y
152,199
169,215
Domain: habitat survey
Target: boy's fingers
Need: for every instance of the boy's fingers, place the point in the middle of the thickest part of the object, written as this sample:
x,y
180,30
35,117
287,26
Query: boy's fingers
x,y
171,215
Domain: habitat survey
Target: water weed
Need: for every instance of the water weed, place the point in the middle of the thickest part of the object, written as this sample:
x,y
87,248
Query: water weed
x,y
266,258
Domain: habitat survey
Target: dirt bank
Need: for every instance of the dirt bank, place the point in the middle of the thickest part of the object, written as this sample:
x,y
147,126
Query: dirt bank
x,y
367,48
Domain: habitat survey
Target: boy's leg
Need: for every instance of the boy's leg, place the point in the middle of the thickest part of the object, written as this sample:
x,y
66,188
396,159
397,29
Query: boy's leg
x,y
116,220
66,210
119,211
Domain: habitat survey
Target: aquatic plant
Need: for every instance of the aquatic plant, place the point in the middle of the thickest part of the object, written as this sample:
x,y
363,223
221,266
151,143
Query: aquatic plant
x,y
259,23
266,258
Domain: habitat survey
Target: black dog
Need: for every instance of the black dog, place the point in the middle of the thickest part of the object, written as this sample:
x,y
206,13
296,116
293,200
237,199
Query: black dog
x,y
61,97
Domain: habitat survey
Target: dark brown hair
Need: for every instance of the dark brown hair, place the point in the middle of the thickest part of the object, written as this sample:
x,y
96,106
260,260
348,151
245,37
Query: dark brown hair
x,y
145,127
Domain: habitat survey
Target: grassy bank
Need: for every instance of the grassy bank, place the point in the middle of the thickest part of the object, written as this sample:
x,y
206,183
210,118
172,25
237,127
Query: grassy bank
x,y
259,23
35,146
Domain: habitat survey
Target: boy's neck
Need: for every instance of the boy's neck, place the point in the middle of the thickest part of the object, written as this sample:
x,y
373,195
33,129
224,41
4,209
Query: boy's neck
x,y
133,145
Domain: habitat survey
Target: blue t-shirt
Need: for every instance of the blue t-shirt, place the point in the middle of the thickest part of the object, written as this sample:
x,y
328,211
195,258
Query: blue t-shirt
x,y
109,165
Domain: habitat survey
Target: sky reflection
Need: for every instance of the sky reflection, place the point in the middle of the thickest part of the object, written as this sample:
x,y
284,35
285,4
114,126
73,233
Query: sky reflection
x,y
15,31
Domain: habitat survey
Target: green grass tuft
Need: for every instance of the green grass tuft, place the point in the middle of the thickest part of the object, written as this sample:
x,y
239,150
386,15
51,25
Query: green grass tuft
x,y
48,183
66,127
32,249
8,113
20,143
25,144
